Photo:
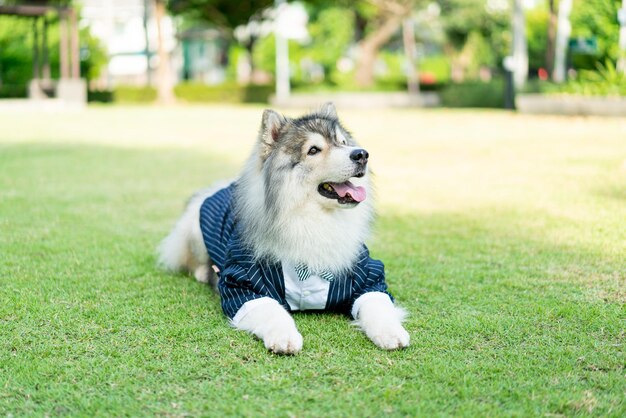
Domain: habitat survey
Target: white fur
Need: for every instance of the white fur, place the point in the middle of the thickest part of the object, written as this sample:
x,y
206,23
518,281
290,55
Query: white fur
x,y
183,250
382,321
273,324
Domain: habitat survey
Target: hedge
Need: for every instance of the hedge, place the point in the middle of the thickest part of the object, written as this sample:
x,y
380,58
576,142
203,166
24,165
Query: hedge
x,y
12,91
132,94
225,93
188,92
474,94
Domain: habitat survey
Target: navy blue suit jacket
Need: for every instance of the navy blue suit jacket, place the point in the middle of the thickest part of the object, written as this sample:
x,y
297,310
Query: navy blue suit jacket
x,y
242,279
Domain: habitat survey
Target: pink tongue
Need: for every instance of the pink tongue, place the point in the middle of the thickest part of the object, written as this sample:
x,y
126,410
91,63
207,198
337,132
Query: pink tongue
x,y
358,193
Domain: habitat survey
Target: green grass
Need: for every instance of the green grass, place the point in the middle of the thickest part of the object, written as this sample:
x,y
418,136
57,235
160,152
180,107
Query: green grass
x,y
503,235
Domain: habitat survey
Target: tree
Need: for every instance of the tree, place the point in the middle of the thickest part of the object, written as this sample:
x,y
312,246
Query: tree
x,y
477,34
386,17
562,36
16,58
224,14
598,19
164,79
331,31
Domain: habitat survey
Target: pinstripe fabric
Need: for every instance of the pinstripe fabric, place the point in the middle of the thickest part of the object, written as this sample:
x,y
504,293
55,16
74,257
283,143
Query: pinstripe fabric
x,y
242,279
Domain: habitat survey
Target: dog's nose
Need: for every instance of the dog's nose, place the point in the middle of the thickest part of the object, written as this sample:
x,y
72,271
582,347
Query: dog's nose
x,y
359,156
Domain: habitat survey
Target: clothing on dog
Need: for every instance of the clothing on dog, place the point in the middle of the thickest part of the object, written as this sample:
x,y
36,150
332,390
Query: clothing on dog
x,y
243,279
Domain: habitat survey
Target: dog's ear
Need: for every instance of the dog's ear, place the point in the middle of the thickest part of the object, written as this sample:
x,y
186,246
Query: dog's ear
x,y
270,127
328,109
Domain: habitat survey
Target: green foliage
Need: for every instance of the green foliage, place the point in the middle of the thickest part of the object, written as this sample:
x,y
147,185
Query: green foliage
x,y
462,18
13,91
537,36
479,54
224,93
393,64
474,94
436,65
264,54
134,94
16,51
331,34
225,13
598,18
192,92
606,81
100,96
235,53
94,55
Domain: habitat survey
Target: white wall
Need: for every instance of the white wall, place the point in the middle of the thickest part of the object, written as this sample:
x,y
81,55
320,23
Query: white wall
x,y
119,25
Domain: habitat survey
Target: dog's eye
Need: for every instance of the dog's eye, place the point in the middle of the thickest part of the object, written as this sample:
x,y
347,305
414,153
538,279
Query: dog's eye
x,y
313,150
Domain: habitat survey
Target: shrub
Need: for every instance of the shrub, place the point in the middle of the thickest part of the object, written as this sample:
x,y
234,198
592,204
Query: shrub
x,y
134,94
226,93
436,65
100,96
606,81
474,94
13,91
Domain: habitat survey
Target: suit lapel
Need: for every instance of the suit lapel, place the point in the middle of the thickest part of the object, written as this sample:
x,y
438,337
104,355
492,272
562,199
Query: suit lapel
x,y
339,291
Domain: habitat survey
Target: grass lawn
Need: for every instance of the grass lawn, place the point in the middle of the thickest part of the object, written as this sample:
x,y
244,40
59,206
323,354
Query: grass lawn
x,y
503,235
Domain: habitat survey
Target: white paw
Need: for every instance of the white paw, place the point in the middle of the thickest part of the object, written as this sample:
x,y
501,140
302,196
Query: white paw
x,y
390,338
281,341
202,274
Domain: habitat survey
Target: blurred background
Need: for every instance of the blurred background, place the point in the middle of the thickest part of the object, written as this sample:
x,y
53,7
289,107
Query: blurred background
x,y
556,56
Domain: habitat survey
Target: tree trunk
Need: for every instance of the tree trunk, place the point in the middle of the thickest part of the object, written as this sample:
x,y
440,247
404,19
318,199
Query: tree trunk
x,y
410,52
520,45
369,47
562,36
146,6
164,81
551,37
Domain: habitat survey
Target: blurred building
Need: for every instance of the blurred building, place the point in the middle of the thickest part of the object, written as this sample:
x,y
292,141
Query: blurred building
x,y
204,55
128,30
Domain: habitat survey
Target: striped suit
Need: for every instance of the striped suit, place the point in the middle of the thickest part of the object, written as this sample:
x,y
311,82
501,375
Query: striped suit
x,y
242,279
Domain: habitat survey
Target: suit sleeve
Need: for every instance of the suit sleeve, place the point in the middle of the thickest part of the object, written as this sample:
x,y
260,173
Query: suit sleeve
x,y
238,285
369,277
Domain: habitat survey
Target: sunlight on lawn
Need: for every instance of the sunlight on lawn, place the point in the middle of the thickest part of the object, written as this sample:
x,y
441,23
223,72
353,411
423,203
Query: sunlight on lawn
x,y
567,169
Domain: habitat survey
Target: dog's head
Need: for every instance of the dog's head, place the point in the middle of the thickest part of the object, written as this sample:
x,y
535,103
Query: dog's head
x,y
314,158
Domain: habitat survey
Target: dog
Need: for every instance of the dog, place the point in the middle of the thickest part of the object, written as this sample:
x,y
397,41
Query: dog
x,y
288,235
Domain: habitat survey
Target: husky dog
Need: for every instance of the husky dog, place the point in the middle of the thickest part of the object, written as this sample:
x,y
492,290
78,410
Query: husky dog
x,y
288,235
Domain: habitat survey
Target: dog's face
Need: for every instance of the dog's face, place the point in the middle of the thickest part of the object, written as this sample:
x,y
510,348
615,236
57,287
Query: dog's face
x,y
312,158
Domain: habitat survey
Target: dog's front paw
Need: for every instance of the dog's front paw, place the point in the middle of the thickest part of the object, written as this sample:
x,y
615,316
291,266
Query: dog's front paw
x,y
282,341
390,337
